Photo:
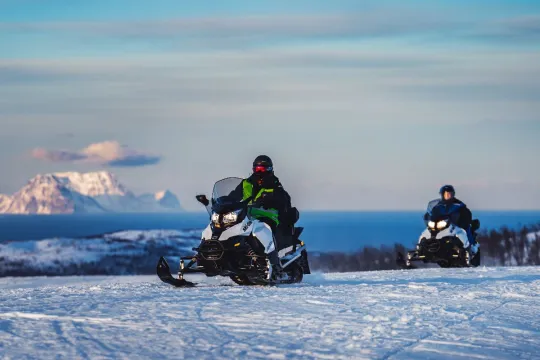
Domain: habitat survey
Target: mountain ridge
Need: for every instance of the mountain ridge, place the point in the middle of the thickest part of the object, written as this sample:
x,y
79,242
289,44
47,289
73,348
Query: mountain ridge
x,y
91,192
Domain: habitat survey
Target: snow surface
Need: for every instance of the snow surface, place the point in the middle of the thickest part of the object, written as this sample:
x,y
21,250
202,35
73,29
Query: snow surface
x,y
482,313
533,236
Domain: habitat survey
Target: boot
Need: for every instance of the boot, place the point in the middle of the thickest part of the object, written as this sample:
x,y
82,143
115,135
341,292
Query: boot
x,y
277,270
473,247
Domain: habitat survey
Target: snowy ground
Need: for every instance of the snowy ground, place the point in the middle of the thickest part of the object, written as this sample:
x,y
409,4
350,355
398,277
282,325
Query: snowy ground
x,y
484,313
124,252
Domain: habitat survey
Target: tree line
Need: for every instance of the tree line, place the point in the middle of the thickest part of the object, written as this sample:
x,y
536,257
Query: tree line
x,y
500,247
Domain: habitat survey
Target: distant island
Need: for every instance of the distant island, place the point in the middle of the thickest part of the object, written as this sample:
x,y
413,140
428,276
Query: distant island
x,y
92,192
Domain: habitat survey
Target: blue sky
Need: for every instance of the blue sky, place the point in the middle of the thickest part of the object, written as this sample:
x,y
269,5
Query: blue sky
x,y
362,104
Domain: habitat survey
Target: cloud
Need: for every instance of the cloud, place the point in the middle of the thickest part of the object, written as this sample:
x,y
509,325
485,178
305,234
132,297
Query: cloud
x,y
522,28
183,33
377,22
57,155
107,153
285,80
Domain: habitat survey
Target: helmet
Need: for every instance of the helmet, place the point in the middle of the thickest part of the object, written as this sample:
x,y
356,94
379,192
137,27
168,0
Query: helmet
x,y
263,165
447,188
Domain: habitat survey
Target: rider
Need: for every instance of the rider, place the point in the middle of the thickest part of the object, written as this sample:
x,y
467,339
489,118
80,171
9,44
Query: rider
x,y
264,189
462,217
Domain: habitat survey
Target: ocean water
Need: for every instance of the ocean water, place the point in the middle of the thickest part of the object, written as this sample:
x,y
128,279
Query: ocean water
x,y
324,231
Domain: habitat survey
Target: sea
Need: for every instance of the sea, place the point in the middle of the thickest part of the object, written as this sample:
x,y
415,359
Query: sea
x,y
324,231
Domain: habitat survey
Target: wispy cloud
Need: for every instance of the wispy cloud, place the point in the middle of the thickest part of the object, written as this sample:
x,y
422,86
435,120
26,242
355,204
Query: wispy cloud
x,y
107,153
377,22
522,28
241,31
283,82
57,155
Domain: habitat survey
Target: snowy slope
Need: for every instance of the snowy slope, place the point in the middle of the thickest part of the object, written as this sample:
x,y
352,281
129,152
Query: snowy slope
x,y
125,252
93,183
5,201
483,313
73,192
102,186
533,236
49,194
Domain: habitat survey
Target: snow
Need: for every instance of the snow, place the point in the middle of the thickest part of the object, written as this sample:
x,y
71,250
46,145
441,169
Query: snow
x,y
47,194
533,236
93,183
482,313
5,201
73,192
161,194
124,252
167,199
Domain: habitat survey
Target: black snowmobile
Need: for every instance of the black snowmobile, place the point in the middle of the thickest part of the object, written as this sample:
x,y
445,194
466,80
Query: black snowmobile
x,y
443,242
236,242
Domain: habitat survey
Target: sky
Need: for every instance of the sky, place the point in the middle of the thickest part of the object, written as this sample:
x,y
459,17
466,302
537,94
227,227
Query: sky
x,y
362,105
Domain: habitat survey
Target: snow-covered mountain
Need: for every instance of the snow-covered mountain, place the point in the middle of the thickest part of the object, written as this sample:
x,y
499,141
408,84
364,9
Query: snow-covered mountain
x,y
164,199
167,199
73,192
123,252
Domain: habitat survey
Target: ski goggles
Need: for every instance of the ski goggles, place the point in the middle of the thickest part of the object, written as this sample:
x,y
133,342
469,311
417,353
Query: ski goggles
x,y
260,169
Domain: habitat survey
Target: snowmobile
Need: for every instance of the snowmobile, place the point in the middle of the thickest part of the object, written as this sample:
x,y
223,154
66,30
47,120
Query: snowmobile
x,y
236,242
443,242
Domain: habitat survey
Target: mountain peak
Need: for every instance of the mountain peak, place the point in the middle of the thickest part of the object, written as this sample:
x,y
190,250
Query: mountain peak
x,y
167,199
74,192
93,183
162,194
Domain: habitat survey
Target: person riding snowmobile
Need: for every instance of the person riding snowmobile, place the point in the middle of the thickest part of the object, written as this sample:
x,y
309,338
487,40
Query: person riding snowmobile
x,y
462,217
263,189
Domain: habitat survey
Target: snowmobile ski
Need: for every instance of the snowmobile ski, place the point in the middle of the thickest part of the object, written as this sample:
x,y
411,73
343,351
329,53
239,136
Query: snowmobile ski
x,y
164,274
404,263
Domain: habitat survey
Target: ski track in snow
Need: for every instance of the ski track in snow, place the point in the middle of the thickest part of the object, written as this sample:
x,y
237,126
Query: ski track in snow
x,y
483,313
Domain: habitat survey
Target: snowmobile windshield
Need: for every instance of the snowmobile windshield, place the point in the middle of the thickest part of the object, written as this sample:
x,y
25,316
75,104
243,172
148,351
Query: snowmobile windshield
x,y
224,198
439,210
431,205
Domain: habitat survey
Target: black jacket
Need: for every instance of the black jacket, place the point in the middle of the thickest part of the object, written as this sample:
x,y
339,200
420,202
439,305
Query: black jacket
x,y
279,199
464,215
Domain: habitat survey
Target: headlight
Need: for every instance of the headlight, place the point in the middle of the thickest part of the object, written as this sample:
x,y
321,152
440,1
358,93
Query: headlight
x,y
215,218
441,224
231,217
431,224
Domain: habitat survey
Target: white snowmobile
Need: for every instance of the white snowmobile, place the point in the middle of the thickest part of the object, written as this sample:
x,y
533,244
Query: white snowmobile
x,y
443,242
238,242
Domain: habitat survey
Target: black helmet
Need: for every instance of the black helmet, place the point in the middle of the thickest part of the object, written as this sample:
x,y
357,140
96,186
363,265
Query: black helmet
x,y
447,188
263,164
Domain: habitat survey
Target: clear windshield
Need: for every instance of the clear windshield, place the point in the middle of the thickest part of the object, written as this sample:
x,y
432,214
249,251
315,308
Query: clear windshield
x,y
432,204
225,187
